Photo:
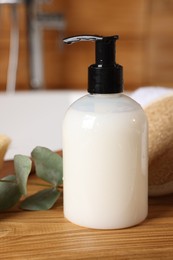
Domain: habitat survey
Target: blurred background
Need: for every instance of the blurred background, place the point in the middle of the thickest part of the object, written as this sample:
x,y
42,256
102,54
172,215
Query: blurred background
x,y
31,34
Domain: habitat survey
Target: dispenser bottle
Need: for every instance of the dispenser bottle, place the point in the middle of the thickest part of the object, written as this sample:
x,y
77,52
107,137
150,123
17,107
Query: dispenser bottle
x,y
105,160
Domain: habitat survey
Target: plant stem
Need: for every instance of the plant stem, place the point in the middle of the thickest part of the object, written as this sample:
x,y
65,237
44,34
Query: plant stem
x,y
39,184
7,181
60,187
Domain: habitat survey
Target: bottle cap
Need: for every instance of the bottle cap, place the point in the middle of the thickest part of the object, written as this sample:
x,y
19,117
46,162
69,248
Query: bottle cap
x,y
105,76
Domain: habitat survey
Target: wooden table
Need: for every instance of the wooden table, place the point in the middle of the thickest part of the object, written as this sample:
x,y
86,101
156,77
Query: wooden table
x,y
47,235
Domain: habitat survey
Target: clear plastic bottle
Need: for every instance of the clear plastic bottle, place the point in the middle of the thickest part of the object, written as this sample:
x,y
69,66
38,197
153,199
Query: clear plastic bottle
x,y
105,152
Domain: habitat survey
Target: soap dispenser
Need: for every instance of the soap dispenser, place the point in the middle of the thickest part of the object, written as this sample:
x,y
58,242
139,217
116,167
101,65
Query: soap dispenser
x,y
105,158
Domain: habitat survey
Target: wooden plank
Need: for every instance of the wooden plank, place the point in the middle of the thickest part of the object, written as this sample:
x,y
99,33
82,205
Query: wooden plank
x,y
161,19
48,235
107,17
82,16
160,62
160,44
145,46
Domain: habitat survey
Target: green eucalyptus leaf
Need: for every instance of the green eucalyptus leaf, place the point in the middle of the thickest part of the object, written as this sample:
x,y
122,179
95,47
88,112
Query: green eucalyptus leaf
x,y
9,192
48,165
22,167
42,200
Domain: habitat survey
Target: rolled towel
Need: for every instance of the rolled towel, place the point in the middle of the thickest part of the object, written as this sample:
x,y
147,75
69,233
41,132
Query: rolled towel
x,y
4,143
157,103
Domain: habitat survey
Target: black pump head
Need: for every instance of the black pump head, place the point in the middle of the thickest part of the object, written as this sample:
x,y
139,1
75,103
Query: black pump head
x,y
105,76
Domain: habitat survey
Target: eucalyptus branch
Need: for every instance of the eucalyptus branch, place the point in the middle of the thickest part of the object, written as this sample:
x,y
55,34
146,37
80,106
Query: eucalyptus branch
x,y
48,167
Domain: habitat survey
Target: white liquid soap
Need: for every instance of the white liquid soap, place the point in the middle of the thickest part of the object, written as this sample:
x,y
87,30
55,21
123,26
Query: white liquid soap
x,y
105,158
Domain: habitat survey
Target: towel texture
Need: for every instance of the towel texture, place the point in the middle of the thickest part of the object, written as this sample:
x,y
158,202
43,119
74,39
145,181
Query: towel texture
x,y
4,143
158,106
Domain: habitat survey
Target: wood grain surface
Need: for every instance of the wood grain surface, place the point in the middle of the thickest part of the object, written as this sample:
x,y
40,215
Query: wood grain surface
x,y
145,48
48,235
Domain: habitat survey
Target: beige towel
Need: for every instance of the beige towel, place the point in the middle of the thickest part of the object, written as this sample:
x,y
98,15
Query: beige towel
x,y
158,106
4,143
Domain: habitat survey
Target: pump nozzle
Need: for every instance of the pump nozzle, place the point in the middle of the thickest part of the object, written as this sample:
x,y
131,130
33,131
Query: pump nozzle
x,y
105,76
78,38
